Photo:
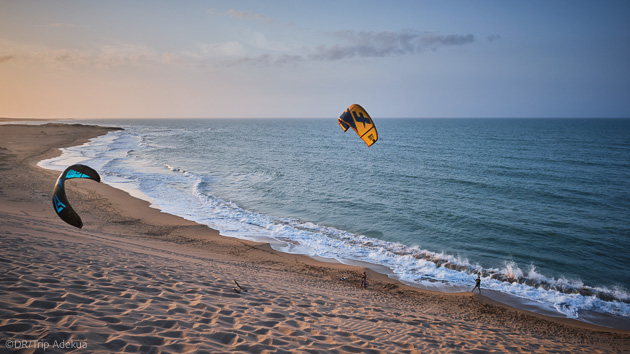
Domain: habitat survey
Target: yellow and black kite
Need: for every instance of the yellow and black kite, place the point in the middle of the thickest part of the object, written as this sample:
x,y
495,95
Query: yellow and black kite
x,y
357,118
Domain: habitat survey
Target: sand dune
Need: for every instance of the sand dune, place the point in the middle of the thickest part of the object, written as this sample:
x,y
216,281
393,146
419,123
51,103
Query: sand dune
x,y
137,280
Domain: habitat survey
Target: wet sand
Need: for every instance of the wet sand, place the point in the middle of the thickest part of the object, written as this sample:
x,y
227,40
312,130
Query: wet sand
x,y
135,279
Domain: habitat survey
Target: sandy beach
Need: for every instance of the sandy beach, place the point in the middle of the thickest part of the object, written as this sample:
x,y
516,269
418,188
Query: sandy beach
x,y
135,279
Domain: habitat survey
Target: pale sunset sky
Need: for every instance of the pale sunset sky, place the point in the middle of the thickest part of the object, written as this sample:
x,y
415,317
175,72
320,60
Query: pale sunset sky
x,y
206,59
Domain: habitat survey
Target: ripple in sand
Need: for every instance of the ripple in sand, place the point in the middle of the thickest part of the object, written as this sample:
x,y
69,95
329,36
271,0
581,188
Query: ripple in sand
x,y
142,330
148,340
275,315
116,345
16,327
43,304
227,338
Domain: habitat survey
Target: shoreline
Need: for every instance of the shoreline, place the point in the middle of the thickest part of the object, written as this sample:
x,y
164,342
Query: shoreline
x,y
125,224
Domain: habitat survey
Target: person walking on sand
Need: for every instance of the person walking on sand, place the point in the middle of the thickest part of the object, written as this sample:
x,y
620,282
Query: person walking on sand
x,y
364,281
477,284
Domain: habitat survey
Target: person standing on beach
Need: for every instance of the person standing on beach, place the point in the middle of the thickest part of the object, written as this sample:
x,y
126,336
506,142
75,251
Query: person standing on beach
x,y
364,281
477,284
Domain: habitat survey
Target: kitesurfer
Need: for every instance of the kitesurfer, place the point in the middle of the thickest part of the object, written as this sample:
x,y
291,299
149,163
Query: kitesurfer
x,y
364,283
477,284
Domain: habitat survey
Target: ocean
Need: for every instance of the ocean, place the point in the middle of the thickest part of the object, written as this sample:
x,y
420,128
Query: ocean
x,y
540,208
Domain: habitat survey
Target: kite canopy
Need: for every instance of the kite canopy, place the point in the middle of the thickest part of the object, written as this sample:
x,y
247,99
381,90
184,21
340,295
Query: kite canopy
x,y
59,200
357,118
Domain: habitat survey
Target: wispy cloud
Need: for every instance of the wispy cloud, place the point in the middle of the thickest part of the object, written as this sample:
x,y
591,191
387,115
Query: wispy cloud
x,y
214,50
352,44
266,60
347,45
385,44
103,57
112,55
493,38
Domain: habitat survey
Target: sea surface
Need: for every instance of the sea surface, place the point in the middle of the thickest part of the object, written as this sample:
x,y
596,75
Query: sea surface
x,y
540,208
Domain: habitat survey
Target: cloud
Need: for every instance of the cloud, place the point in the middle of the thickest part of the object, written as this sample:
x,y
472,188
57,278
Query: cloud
x,y
106,56
261,42
385,44
120,54
267,60
172,58
213,50
358,45
453,39
493,38
346,45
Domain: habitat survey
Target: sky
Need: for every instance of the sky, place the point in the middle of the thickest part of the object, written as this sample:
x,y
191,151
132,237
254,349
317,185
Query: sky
x,y
298,59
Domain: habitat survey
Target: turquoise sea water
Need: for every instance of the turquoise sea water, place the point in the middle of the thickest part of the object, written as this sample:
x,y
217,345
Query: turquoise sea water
x,y
539,207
